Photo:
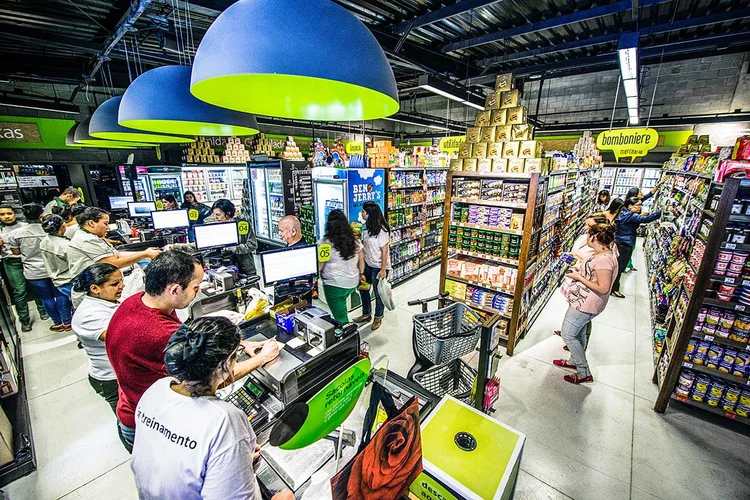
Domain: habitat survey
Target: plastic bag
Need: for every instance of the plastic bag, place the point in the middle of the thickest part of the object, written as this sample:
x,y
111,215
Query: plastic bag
x,y
258,304
385,293
134,282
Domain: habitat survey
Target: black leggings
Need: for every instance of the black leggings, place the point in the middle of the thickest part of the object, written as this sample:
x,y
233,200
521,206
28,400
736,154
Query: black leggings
x,y
108,389
626,252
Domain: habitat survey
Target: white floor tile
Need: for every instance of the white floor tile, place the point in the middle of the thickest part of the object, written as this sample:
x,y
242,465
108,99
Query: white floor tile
x,y
120,480
53,362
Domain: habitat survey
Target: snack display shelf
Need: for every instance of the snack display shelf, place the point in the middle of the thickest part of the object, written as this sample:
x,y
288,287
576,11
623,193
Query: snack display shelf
x,y
494,288
711,409
436,245
409,205
411,224
404,259
474,305
743,381
416,186
406,276
483,227
491,203
485,256
405,240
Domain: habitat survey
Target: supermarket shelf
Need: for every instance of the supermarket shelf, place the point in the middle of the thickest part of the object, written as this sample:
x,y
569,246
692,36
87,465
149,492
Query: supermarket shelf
x,y
494,175
505,291
715,339
416,186
438,202
730,281
736,306
716,373
711,409
474,305
406,206
478,201
485,256
487,228
555,190
436,245
404,240
732,218
406,276
437,217
429,186
402,226
432,233
426,265
404,259
691,174
735,246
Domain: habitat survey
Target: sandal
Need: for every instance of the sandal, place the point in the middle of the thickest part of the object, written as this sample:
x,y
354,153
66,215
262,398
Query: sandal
x,y
575,379
564,363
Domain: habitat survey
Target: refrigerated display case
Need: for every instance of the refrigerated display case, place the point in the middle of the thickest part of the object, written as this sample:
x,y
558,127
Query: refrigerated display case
x,y
626,179
194,179
142,189
218,182
279,188
165,180
608,178
238,175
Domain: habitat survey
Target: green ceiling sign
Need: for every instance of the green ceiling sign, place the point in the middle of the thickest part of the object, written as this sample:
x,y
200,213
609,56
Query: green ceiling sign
x,y
23,132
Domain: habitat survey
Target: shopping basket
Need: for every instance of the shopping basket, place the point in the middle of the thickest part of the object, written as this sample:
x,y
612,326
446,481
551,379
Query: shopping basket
x,y
455,378
446,334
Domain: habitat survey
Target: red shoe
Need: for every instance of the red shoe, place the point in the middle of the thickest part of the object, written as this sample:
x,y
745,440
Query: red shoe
x,y
67,328
564,363
575,379
57,328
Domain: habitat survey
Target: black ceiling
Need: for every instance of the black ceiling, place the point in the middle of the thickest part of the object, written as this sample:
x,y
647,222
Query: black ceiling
x,y
75,41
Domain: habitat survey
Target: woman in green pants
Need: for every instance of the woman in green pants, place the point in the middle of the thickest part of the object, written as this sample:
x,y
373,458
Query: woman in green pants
x,y
346,261
14,270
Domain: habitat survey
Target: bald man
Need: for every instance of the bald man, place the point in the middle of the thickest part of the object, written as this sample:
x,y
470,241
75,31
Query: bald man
x,y
290,231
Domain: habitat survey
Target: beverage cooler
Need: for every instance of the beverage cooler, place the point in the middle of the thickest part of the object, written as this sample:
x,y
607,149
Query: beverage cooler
x,y
165,180
277,188
142,187
346,190
194,179
212,182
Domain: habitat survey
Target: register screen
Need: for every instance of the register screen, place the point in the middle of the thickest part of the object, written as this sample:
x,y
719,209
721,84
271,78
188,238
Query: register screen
x,y
289,264
119,202
216,235
169,219
141,208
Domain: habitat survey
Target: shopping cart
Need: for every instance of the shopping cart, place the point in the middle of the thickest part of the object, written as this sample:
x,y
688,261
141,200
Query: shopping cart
x,y
455,378
442,336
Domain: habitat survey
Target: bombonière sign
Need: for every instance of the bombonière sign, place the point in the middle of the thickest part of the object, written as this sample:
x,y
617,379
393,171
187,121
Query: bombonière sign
x,y
633,142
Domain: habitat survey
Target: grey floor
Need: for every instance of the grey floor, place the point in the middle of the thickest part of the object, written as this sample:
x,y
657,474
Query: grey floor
x,y
596,441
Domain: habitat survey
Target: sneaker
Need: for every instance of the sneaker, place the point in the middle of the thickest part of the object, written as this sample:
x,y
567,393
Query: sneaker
x,y
376,324
43,316
57,328
26,327
365,318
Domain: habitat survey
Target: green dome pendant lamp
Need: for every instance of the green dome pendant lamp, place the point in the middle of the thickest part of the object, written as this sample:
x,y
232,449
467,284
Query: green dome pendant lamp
x,y
78,135
159,100
104,125
299,59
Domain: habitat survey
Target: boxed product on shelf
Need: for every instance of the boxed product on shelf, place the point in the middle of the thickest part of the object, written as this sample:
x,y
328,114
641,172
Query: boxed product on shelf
x,y
500,165
484,165
499,118
494,150
467,188
464,150
473,134
487,134
479,150
516,165
492,101
479,270
517,115
515,192
482,119
509,99
470,164
530,149
511,149
457,165
505,82
521,132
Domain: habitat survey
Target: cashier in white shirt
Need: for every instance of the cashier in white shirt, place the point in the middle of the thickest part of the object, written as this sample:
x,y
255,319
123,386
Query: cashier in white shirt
x,y
189,444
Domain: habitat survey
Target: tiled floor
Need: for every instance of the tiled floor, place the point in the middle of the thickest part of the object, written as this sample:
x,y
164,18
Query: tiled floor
x,y
597,441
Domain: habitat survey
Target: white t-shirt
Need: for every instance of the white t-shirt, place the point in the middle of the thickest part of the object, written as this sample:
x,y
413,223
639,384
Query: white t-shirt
x,y
89,321
373,247
192,448
339,272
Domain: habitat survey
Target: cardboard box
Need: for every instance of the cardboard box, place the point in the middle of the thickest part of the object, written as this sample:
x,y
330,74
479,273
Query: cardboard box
x,y
457,165
470,165
521,132
530,149
510,149
499,165
498,117
6,440
517,115
479,150
503,133
534,165
517,165
484,165
492,101
505,82
464,150
510,99
8,385
482,119
488,134
473,134
495,150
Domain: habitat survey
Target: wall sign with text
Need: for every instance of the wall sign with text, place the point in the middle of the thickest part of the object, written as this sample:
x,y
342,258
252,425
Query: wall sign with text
x,y
634,142
19,132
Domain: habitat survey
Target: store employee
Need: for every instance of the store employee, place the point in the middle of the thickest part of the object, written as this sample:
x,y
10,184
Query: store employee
x,y
290,231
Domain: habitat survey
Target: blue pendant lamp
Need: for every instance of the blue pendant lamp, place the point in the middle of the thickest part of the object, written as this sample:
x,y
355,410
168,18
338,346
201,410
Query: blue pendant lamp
x,y
160,101
78,135
104,126
303,59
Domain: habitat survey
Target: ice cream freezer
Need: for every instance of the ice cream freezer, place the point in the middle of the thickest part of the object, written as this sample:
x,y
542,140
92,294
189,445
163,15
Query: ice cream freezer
x,y
142,186
165,180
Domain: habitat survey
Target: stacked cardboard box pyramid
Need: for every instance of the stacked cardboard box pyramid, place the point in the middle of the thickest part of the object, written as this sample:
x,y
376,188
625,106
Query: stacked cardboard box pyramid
x,y
586,152
291,151
501,140
260,145
235,151
200,151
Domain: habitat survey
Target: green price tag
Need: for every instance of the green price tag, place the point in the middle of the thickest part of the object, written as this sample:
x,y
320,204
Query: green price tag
x,y
243,227
193,214
159,205
324,252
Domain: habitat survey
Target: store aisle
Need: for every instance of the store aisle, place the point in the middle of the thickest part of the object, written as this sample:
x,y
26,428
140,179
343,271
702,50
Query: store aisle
x,y
595,441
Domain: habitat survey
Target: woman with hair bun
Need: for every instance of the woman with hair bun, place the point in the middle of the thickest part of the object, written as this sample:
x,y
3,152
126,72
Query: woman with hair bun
x,y
103,284
587,291
189,443
54,249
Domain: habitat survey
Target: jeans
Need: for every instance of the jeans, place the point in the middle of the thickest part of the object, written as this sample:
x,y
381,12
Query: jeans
x,y
108,389
626,252
336,300
127,436
371,276
67,289
56,303
574,335
17,282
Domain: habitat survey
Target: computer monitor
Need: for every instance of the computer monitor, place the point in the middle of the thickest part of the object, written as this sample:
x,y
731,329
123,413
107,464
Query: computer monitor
x,y
217,235
170,219
141,208
289,263
119,202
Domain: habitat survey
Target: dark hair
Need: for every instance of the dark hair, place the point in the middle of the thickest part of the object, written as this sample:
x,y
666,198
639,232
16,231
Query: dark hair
x,y
94,214
375,220
599,218
339,232
52,223
605,193
633,200
199,349
615,206
95,274
71,191
63,212
603,233
169,198
169,267
77,208
7,206
225,206
632,193
32,211
185,203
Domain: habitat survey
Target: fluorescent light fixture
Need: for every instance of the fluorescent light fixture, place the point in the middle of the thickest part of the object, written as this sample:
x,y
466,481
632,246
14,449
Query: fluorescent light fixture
x,y
448,90
633,113
632,102
634,120
13,102
443,93
631,87
629,63
475,106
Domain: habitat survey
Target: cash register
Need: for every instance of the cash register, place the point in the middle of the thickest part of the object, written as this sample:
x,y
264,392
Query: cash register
x,y
290,270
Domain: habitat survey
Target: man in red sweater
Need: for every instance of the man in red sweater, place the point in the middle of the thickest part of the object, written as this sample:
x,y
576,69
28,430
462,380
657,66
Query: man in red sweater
x,y
142,325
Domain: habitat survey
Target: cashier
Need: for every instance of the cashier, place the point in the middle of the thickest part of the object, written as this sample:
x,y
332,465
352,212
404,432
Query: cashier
x,y
191,444
290,231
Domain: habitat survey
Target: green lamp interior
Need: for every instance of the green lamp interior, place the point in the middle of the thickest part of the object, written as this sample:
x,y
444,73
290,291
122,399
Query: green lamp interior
x,y
142,137
189,128
104,143
294,96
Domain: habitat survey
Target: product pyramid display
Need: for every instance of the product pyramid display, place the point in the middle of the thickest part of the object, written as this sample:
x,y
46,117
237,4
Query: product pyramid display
x,y
586,153
200,151
260,145
235,151
320,154
291,151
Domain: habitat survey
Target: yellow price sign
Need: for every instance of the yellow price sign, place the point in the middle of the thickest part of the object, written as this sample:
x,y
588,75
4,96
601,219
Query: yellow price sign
x,y
451,144
634,142
193,214
243,227
355,148
159,205
324,252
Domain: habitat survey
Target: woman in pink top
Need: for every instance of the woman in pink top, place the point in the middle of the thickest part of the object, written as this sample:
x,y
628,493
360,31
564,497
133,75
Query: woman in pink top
x,y
587,292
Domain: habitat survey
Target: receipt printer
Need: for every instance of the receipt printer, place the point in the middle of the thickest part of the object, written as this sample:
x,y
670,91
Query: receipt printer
x,y
314,325
221,279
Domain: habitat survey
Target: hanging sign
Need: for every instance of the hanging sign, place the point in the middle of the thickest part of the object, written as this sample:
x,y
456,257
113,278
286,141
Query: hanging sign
x,y
634,142
37,181
19,132
355,148
364,184
451,144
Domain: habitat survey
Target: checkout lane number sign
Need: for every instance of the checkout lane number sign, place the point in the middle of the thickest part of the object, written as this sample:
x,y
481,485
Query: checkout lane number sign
x,y
193,214
243,227
324,252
